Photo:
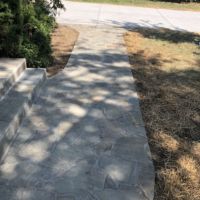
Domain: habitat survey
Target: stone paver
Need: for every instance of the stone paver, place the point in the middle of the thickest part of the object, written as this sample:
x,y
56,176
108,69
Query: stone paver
x,y
97,14
85,138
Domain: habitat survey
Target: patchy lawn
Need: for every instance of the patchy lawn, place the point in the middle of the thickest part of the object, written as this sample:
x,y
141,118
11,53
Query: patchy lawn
x,y
150,3
63,40
166,65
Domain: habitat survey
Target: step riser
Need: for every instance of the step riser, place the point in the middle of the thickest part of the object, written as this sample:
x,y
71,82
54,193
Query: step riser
x,y
9,82
10,134
11,130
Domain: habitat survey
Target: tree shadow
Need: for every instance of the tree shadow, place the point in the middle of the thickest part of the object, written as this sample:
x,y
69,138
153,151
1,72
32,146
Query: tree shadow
x,y
169,35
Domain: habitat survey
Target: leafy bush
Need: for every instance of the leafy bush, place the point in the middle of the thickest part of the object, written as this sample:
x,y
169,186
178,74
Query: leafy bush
x,y
6,17
6,20
38,25
26,30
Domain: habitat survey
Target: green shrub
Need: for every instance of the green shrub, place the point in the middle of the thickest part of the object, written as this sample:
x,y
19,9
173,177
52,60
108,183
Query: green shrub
x,y
30,51
6,20
37,28
13,42
26,30
6,16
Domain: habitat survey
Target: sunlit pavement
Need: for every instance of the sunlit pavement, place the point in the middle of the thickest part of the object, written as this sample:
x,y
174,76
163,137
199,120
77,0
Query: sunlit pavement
x,y
128,17
85,138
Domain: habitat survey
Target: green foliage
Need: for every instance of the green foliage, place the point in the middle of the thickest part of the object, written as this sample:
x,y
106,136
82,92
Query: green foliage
x,y
30,51
6,20
38,25
6,16
26,30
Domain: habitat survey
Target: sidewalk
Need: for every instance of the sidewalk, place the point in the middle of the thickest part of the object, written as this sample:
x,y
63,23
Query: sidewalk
x,y
127,16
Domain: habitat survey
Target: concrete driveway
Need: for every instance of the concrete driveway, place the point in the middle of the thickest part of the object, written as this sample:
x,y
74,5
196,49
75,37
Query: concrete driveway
x,y
127,16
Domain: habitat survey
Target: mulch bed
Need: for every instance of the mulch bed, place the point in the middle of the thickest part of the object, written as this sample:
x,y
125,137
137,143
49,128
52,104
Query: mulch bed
x,y
63,41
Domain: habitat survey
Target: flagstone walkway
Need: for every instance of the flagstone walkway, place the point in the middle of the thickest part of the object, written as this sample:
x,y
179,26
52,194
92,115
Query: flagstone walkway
x,y
84,138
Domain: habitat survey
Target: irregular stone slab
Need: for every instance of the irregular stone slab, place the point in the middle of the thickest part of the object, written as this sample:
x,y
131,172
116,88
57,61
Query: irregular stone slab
x,y
133,194
142,176
116,170
7,193
132,149
110,183
32,194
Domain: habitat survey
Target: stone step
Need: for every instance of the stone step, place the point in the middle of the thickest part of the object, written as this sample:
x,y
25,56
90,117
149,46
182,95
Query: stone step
x,y
14,106
10,71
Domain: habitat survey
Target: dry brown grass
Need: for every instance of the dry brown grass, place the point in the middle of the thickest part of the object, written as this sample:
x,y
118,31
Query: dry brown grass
x,y
166,65
63,40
